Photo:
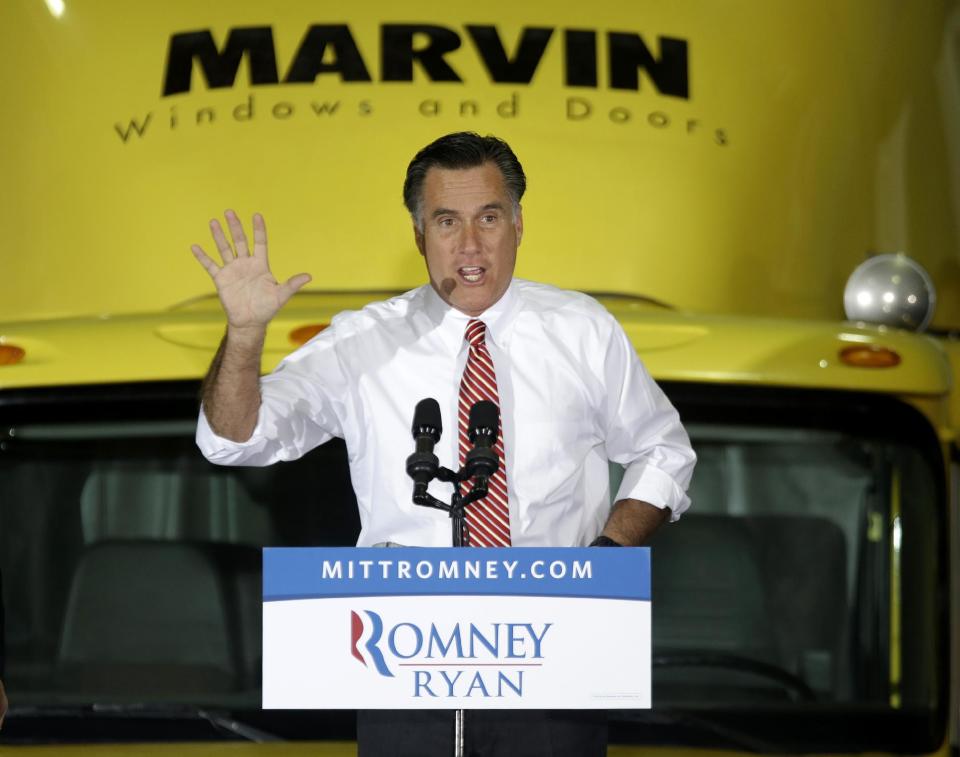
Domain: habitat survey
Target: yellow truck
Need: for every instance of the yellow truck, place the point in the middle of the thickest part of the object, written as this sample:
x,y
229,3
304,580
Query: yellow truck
x,y
711,172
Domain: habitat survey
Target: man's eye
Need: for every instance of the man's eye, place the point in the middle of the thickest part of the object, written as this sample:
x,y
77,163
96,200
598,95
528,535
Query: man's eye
x,y
489,218
445,222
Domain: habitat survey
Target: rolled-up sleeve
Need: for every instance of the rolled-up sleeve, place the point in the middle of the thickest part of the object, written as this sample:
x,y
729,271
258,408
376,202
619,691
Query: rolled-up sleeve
x,y
644,432
301,407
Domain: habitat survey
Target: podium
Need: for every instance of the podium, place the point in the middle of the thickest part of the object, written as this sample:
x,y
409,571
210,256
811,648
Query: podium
x,y
436,628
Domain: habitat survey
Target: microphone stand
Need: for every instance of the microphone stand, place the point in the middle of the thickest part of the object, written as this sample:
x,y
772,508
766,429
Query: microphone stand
x,y
461,537
480,465
458,503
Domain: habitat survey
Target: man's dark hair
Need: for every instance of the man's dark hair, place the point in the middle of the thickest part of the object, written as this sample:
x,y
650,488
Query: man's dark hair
x,y
462,149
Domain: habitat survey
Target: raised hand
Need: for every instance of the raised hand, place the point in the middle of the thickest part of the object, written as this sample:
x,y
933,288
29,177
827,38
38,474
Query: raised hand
x,y
248,291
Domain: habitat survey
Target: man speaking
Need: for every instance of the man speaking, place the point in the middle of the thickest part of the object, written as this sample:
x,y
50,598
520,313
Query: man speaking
x,y
571,391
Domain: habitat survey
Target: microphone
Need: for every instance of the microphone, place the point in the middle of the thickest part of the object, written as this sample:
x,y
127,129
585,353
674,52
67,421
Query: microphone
x,y
482,461
422,465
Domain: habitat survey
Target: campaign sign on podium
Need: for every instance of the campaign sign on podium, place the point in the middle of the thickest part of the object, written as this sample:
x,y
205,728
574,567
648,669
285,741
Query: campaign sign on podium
x,y
456,628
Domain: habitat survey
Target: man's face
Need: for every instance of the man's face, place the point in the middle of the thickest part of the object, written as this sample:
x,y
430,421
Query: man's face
x,y
470,235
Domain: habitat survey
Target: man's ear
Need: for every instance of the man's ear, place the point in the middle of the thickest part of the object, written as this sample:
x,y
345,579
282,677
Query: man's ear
x,y
418,238
518,224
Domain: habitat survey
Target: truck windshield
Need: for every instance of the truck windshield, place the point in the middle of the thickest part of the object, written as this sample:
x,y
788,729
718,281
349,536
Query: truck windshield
x,y
798,605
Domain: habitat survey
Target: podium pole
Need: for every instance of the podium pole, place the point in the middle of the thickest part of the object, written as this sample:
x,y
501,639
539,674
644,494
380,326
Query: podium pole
x,y
458,734
460,537
458,516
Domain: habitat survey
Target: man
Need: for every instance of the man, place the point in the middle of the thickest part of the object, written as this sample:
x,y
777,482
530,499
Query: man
x,y
572,392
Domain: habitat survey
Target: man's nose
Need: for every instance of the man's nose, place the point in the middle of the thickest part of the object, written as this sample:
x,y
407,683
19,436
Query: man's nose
x,y
469,238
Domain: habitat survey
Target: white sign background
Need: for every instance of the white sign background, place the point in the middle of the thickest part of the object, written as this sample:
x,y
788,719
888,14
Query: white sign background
x,y
594,655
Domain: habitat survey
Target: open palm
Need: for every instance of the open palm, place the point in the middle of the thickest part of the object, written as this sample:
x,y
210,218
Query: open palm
x,y
248,291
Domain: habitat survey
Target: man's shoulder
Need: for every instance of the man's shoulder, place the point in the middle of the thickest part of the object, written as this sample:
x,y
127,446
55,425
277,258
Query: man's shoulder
x,y
547,300
381,311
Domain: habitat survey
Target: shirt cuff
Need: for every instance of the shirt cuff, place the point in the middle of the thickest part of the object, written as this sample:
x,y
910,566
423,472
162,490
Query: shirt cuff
x,y
650,484
219,449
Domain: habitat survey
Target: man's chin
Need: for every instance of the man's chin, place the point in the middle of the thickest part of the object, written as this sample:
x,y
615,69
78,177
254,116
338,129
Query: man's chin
x,y
468,300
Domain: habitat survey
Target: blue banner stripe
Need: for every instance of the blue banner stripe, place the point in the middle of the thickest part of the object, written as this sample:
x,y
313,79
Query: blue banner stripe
x,y
317,572
286,598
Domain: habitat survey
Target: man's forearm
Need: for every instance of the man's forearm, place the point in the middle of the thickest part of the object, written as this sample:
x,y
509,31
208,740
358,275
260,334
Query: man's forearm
x,y
632,522
231,389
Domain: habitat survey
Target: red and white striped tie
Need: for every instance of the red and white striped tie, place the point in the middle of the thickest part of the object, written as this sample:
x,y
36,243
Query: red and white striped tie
x,y
489,518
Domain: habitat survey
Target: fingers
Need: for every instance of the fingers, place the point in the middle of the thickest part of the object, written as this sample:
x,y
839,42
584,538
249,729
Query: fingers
x,y
236,231
259,236
226,251
291,285
204,260
224,247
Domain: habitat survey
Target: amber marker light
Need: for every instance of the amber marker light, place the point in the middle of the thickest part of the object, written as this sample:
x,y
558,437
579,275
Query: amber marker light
x,y
10,354
303,334
869,356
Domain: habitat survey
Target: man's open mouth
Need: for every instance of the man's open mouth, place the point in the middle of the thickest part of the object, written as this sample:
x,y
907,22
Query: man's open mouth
x,y
471,274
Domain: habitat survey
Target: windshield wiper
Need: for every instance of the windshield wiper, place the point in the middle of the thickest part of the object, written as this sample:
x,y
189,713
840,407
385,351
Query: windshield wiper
x,y
705,725
217,718
220,720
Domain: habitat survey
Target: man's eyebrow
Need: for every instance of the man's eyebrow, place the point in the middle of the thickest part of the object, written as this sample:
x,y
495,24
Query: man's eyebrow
x,y
448,212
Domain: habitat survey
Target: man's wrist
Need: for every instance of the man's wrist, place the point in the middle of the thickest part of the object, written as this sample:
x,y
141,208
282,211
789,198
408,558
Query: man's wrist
x,y
247,335
243,348
605,541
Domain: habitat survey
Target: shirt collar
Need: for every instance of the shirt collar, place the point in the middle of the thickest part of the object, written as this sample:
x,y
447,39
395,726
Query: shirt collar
x,y
451,323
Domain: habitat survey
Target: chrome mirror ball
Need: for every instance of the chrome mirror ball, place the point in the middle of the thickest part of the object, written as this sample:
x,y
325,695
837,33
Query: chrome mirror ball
x,y
891,289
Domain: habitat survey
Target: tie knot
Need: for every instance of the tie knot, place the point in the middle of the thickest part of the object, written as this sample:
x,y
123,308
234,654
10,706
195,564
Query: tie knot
x,y
476,331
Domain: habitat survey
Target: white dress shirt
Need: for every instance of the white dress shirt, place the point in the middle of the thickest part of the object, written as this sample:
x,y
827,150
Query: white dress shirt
x,y
573,395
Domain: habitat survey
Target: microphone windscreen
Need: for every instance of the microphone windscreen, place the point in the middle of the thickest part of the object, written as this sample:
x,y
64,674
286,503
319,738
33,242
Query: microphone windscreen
x,y
484,414
426,415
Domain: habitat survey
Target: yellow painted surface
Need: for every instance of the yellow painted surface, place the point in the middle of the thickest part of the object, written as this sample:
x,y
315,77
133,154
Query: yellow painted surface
x,y
179,344
813,133
952,350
